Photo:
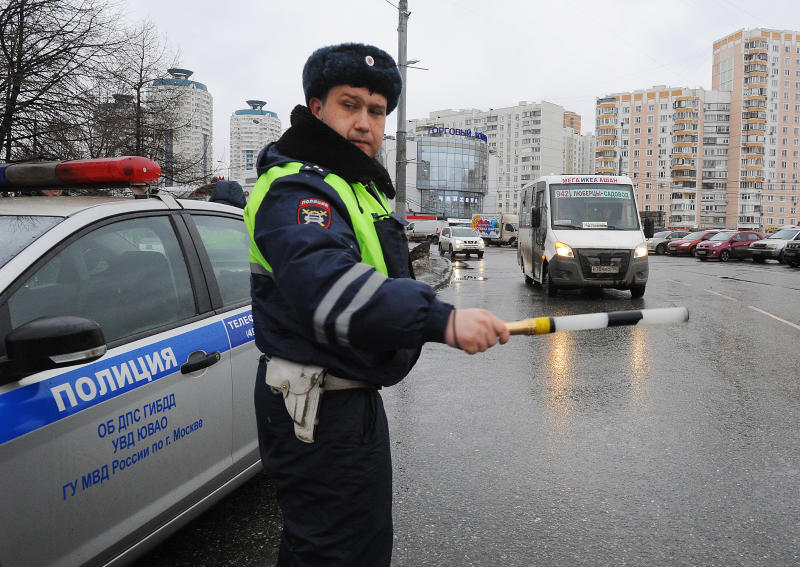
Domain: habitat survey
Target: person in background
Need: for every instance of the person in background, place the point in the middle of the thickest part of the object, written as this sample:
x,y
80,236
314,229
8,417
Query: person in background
x,y
229,193
334,305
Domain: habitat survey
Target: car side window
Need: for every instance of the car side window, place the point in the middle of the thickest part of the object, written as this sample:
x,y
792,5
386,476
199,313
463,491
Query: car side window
x,y
129,276
753,236
227,243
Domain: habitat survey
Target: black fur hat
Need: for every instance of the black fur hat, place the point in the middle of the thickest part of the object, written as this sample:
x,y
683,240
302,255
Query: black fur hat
x,y
354,64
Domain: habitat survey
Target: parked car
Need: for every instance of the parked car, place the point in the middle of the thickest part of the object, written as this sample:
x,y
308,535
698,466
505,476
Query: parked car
x,y
727,244
772,247
686,246
126,370
658,243
460,240
791,253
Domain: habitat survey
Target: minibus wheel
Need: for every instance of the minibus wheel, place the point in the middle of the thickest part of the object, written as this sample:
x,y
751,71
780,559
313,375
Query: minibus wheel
x,y
549,287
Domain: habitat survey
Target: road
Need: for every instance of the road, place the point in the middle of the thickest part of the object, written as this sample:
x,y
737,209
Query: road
x,y
666,445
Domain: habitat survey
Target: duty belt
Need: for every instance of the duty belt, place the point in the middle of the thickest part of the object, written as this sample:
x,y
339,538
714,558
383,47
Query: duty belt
x,y
301,386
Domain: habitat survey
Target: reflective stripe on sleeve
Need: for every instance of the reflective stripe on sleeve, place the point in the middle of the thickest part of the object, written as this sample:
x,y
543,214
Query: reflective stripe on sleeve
x,y
333,295
259,269
364,294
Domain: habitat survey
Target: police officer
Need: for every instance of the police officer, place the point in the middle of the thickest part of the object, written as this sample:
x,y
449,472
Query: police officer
x,y
334,306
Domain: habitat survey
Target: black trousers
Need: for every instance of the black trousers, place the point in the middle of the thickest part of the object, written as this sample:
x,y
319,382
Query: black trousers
x,y
335,493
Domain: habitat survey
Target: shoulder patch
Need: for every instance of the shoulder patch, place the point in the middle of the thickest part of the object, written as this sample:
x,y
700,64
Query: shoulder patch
x,y
314,211
314,168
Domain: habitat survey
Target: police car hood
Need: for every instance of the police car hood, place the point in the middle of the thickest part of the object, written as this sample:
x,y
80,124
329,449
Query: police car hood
x,y
310,140
623,239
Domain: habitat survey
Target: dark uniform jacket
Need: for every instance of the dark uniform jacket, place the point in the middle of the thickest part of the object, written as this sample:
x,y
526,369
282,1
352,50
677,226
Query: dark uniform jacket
x,y
315,278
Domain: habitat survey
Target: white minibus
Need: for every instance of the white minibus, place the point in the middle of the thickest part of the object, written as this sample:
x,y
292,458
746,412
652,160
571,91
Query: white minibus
x,y
582,231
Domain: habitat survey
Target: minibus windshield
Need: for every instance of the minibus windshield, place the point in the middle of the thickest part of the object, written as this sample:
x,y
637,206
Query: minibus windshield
x,y
593,206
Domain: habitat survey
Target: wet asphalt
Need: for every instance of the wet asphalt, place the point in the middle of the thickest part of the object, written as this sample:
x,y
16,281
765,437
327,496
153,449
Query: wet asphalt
x,y
661,445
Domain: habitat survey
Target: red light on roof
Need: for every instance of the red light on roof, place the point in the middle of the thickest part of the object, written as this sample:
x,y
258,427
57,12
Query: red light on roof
x,y
126,169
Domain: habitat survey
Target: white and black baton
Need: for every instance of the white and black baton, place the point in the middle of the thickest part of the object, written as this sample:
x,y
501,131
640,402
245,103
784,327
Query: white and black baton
x,y
544,325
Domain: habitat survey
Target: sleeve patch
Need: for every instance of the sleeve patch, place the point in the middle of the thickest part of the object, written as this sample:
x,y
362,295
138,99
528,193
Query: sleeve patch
x,y
314,211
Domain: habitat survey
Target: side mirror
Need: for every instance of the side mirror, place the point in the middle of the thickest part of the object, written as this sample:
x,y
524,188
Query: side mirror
x,y
410,226
52,342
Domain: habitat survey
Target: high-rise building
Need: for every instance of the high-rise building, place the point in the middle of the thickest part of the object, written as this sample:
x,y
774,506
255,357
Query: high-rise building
x,y
188,146
251,129
528,139
673,143
760,69
572,120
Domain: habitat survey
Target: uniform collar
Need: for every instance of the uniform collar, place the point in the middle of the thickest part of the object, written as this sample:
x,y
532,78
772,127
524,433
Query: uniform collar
x,y
310,139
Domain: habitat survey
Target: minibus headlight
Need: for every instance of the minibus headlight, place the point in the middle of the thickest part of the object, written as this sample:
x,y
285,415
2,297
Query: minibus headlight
x,y
564,250
640,252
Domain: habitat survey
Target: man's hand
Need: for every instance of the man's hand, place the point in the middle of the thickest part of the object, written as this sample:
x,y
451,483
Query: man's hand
x,y
474,330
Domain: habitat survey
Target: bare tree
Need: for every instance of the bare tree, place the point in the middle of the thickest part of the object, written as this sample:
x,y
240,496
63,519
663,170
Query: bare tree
x,y
49,53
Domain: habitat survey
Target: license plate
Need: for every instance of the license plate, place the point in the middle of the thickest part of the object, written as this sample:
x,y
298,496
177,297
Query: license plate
x,y
701,252
605,269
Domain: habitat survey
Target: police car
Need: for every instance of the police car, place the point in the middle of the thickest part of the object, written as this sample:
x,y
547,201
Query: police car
x,y
126,364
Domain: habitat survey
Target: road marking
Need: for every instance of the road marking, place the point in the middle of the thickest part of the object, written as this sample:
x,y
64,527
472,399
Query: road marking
x,y
682,283
728,297
775,317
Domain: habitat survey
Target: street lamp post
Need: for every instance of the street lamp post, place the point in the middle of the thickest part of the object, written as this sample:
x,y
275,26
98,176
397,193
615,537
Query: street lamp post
x,y
400,172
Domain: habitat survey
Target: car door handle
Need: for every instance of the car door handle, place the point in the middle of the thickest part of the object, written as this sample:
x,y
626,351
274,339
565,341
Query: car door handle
x,y
199,360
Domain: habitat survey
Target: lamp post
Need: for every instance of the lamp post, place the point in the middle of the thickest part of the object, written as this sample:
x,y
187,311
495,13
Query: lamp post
x,y
400,172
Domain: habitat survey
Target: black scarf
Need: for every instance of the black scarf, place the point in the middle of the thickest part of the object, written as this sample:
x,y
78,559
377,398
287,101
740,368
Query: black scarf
x,y
309,139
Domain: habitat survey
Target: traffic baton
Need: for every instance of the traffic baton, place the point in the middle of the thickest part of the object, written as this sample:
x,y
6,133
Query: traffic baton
x,y
544,325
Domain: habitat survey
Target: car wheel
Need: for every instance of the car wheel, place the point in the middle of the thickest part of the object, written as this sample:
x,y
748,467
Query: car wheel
x,y
549,287
660,249
441,250
691,252
759,259
480,255
794,263
452,253
466,255
637,291
724,256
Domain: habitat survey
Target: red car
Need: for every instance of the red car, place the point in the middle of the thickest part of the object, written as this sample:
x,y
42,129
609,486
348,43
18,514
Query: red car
x,y
685,246
727,244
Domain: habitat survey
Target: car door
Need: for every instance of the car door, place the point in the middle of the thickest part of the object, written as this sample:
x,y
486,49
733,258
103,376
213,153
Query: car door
x,y
224,253
739,244
540,225
444,240
94,457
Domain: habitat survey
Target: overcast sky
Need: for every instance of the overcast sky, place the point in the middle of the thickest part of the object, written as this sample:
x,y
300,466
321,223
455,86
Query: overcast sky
x,y
480,54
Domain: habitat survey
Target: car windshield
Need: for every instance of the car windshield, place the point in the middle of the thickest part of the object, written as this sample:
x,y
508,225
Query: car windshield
x,y
693,236
785,234
722,236
593,206
463,231
662,234
19,231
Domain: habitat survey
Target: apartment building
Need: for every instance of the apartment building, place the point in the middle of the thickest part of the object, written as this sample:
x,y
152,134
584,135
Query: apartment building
x,y
528,139
188,148
251,129
760,68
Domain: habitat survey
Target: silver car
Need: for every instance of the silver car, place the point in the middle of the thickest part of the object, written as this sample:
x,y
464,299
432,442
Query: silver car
x,y
461,240
772,247
657,244
126,373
